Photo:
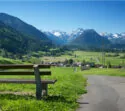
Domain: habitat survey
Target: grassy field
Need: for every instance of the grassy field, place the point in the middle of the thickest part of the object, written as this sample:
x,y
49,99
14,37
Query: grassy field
x,y
87,56
105,71
9,61
62,95
77,56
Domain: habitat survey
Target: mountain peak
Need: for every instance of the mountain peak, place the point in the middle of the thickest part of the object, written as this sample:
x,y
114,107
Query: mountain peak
x,y
90,30
89,39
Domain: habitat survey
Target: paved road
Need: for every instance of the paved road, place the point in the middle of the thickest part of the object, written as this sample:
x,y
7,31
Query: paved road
x,y
105,93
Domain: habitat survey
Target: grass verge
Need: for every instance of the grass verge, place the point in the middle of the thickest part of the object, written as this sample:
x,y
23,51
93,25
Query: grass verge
x,y
105,71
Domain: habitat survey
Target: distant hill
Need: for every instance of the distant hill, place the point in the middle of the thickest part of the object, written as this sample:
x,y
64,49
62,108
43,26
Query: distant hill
x,y
90,39
11,40
25,29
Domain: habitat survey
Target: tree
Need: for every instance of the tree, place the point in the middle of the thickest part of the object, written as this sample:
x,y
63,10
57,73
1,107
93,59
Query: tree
x,y
109,64
4,53
83,62
70,61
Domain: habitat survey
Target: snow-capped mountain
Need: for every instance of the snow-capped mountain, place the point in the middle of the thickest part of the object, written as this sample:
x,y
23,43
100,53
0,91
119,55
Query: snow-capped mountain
x,y
116,38
90,39
60,37
60,34
113,36
75,34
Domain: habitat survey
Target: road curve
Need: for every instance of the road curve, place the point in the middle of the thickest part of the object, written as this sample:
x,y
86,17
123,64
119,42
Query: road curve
x,y
105,93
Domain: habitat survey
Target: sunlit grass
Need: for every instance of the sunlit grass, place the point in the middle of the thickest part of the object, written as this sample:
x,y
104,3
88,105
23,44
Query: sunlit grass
x,y
105,71
62,95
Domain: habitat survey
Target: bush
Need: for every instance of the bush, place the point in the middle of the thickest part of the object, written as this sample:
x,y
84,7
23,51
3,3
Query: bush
x,y
70,61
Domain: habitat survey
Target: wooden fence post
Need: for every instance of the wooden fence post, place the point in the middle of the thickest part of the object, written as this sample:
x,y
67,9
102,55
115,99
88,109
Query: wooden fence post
x,y
38,82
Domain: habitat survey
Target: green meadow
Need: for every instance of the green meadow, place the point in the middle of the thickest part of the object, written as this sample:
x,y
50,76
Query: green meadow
x,y
105,71
62,95
96,57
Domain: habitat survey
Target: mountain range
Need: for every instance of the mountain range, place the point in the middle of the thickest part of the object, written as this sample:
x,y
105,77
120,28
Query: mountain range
x,y
17,36
117,38
63,38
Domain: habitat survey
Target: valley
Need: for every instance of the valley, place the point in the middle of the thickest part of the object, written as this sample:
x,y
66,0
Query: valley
x,y
19,37
73,56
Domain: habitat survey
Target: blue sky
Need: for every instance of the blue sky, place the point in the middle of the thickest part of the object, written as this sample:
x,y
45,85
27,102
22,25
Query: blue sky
x,y
67,16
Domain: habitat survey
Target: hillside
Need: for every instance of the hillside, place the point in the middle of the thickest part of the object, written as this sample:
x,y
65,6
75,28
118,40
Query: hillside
x,y
26,29
13,41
